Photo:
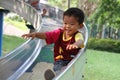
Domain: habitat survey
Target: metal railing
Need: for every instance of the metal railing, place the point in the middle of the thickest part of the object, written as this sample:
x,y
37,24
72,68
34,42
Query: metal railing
x,y
24,10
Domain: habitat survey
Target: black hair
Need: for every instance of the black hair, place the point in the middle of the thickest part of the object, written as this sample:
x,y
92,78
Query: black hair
x,y
75,12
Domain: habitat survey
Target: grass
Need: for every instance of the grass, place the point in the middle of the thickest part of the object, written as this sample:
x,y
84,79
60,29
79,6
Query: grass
x,y
10,43
20,25
102,65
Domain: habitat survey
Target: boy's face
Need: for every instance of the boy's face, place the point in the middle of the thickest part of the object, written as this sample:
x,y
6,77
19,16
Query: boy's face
x,y
71,25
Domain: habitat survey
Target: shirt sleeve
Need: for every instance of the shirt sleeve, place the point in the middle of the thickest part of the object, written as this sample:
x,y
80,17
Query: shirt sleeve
x,y
79,36
52,36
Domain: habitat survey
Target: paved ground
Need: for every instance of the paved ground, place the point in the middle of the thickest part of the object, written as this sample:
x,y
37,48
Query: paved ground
x,y
37,72
11,30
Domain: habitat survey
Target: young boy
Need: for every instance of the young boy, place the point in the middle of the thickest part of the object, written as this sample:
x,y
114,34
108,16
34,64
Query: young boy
x,y
67,40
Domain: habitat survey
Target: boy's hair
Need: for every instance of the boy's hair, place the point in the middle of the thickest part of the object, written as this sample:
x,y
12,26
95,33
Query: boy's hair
x,y
75,12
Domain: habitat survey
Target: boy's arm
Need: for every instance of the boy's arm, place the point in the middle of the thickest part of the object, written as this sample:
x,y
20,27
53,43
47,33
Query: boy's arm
x,y
78,44
33,35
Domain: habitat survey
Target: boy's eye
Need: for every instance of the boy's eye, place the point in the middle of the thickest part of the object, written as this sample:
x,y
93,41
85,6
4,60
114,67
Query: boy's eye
x,y
71,24
65,23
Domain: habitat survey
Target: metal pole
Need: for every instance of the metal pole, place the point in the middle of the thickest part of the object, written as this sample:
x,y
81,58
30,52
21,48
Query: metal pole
x,y
1,30
68,3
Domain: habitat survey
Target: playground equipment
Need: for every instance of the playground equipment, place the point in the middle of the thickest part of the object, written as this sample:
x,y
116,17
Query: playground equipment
x,y
14,65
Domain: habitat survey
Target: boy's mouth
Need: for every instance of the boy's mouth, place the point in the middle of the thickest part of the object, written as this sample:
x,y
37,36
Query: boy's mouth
x,y
68,31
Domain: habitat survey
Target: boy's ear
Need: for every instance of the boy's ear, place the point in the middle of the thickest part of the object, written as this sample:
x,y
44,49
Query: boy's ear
x,y
81,25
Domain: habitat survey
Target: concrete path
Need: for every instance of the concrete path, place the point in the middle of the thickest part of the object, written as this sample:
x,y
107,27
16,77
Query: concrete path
x,y
11,30
37,72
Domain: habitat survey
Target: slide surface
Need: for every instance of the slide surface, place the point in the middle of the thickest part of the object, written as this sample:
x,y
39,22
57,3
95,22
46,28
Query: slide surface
x,y
13,65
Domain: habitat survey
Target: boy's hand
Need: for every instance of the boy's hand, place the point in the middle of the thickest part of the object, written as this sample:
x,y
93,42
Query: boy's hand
x,y
77,44
32,35
71,46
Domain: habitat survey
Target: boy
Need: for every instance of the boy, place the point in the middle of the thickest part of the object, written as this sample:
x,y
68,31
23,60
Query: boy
x,y
67,40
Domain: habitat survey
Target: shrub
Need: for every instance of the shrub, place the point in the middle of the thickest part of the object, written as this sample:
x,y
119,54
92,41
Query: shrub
x,y
104,45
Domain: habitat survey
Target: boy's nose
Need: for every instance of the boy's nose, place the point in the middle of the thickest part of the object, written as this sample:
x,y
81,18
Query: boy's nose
x,y
67,25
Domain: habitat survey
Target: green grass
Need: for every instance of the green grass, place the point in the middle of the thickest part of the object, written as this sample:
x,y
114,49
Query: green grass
x,y
10,43
18,24
102,65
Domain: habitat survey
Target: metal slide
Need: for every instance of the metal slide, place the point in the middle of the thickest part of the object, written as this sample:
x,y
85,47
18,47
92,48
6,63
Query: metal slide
x,y
13,65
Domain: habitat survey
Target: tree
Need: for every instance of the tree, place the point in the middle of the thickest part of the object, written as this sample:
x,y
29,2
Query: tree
x,y
88,6
107,14
63,4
